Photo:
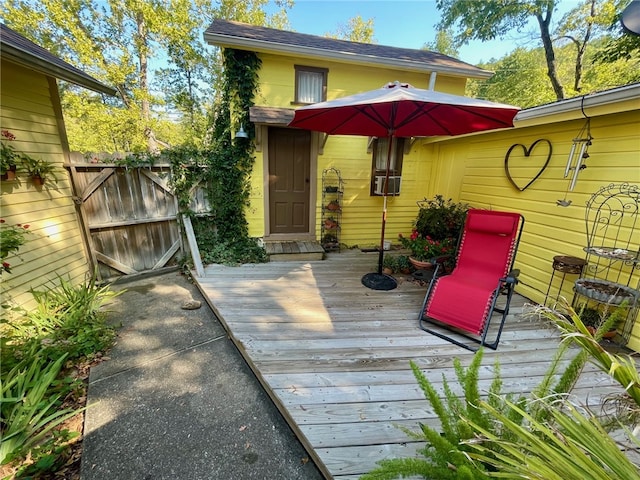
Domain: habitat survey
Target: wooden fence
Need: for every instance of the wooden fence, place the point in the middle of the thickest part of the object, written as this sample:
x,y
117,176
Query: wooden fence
x,y
129,215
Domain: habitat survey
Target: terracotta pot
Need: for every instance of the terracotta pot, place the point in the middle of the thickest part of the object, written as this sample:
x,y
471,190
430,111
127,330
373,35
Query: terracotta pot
x,y
10,174
387,271
37,180
420,265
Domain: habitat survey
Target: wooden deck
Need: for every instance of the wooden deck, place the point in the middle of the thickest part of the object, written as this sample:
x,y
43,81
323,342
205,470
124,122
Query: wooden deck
x,y
334,355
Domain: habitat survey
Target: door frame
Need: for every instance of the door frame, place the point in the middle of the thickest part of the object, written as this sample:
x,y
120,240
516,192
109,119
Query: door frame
x,y
313,188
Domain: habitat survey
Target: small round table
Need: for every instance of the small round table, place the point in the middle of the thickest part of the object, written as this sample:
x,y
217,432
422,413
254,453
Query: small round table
x,y
566,265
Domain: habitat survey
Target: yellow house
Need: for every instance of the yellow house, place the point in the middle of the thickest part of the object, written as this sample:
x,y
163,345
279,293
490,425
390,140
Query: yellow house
x,y
31,112
299,69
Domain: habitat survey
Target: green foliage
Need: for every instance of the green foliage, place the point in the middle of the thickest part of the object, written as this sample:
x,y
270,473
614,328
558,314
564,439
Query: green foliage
x,y
215,249
9,156
67,320
357,29
528,67
543,437
38,167
232,163
152,53
12,237
390,262
445,453
440,219
66,326
29,402
572,446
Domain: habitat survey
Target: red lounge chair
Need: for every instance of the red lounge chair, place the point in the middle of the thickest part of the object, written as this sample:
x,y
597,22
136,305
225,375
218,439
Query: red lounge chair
x,y
464,301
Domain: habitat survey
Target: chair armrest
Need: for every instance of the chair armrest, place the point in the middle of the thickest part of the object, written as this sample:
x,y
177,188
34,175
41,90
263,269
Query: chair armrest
x,y
440,259
512,277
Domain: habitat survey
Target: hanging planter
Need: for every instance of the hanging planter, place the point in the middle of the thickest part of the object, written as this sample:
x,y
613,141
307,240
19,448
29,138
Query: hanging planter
x,y
38,170
9,174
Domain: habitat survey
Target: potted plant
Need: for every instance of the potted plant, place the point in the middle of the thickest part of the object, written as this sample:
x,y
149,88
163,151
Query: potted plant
x,y
38,170
403,264
333,206
330,223
389,264
8,156
592,319
425,250
440,219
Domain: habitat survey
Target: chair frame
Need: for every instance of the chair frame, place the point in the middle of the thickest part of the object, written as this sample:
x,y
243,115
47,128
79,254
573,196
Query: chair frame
x,y
505,285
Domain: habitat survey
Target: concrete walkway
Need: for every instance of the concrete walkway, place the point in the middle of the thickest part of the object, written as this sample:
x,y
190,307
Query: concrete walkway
x,y
177,401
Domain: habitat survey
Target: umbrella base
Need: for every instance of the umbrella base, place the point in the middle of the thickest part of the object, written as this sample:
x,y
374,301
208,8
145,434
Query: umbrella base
x,y
379,281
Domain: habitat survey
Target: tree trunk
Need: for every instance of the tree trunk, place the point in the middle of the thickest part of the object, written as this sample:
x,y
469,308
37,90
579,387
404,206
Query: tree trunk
x,y
582,47
550,54
145,108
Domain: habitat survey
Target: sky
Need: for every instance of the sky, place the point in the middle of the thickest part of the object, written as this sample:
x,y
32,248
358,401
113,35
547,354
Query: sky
x,y
401,23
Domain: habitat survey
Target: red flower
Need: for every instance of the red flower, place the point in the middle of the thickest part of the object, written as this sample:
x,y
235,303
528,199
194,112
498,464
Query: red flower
x,y
8,135
2,220
26,226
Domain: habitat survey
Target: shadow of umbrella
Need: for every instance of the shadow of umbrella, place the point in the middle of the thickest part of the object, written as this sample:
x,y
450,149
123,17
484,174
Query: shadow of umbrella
x,y
401,110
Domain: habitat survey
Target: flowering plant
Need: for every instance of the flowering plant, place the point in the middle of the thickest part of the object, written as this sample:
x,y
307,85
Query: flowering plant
x,y
425,248
12,237
8,155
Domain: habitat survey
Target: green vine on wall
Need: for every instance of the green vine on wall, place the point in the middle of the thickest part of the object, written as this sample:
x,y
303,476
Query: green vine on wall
x,y
224,238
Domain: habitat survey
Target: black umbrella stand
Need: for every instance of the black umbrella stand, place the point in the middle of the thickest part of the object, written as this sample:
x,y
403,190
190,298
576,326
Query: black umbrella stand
x,y
378,280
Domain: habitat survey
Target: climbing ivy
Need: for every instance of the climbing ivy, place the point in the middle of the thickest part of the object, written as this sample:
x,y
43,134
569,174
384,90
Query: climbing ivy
x,y
223,169
232,162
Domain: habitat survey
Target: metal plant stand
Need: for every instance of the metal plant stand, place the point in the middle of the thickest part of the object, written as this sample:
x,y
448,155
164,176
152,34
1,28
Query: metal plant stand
x,y
612,274
331,219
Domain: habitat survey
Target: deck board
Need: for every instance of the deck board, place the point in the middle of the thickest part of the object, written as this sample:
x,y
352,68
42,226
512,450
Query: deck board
x,y
334,355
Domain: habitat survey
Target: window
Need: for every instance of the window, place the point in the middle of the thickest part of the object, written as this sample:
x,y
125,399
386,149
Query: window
x,y
311,84
379,165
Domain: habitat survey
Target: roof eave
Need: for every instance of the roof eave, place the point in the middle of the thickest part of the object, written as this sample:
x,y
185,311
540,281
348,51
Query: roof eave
x,y
33,62
267,47
584,106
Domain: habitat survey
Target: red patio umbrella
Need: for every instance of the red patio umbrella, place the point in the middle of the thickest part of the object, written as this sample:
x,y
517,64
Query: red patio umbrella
x,y
400,110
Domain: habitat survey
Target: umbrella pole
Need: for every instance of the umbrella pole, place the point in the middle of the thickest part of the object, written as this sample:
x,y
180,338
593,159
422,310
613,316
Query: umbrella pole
x,y
384,203
380,281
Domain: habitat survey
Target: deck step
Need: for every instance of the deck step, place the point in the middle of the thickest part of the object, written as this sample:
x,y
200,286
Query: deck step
x,y
288,251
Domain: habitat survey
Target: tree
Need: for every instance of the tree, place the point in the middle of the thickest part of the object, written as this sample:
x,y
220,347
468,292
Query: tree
x,y
356,30
444,43
120,42
492,19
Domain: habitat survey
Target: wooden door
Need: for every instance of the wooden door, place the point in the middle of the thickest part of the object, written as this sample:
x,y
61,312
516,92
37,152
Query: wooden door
x,y
289,180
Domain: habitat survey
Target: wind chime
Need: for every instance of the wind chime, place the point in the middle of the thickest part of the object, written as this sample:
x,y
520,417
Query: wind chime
x,y
577,155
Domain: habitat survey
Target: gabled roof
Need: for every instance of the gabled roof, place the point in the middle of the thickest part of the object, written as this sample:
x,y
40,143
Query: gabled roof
x,y
261,39
17,49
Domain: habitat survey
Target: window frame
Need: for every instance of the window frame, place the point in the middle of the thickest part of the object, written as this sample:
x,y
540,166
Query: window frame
x,y
299,69
394,172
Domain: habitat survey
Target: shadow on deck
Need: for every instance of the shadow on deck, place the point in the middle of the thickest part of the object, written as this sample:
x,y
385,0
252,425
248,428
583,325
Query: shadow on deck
x,y
334,355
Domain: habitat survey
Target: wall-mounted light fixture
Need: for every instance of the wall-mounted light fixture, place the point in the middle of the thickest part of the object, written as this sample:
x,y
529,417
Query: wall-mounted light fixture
x,y
577,155
241,133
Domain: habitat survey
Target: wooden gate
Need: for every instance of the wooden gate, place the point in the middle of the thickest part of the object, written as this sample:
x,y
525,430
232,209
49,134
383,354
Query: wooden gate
x,y
130,216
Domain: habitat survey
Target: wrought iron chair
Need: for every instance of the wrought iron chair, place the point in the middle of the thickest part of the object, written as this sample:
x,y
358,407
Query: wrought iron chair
x,y
465,301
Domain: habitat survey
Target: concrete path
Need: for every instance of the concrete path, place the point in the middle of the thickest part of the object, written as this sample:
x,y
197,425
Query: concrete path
x,y
177,401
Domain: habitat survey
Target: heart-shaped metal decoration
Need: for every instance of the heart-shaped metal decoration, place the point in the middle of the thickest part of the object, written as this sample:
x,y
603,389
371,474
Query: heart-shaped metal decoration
x,y
527,153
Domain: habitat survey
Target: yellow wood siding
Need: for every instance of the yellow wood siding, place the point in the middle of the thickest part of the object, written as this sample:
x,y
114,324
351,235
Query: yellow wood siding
x,y
361,217
55,246
550,230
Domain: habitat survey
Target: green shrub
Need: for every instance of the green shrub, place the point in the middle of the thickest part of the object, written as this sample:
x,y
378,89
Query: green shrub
x,y
440,219
29,404
214,249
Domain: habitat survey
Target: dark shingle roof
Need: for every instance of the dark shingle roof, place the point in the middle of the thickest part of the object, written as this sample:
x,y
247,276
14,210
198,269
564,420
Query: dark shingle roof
x,y
18,49
236,34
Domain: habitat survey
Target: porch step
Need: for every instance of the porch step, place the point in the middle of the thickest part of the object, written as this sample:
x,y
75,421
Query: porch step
x,y
288,251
